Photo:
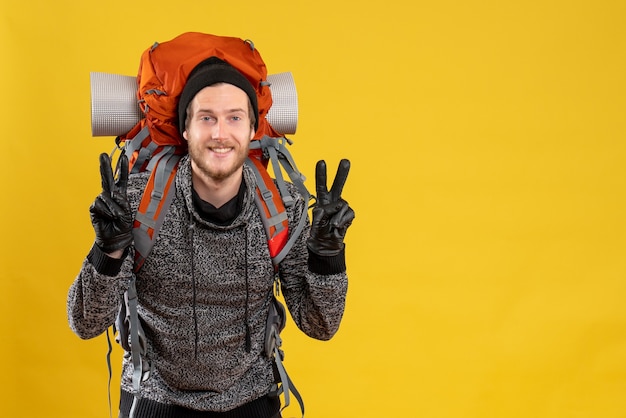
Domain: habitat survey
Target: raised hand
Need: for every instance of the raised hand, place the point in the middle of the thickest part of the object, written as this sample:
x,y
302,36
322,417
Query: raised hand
x,y
111,214
331,214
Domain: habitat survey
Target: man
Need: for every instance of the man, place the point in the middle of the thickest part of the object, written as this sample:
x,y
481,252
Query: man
x,y
205,290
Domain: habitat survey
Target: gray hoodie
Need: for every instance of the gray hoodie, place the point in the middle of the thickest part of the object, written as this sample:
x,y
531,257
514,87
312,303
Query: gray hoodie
x,y
201,290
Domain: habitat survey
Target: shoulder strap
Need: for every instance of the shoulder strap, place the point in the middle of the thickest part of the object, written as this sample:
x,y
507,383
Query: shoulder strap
x,y
158,193
271,208
275,150
273,197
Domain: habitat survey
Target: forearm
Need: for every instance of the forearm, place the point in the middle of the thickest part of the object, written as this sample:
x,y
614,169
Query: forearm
x,y
95,295
316,293
317,303
314,286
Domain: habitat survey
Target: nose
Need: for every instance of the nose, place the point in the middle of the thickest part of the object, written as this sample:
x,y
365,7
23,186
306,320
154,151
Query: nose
x,y
219,130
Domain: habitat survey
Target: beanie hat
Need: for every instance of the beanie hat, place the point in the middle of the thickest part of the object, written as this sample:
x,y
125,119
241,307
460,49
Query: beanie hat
x,y
212,71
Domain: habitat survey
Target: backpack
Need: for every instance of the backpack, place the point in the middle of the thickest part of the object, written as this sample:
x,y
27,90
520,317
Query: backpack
x,y
154,144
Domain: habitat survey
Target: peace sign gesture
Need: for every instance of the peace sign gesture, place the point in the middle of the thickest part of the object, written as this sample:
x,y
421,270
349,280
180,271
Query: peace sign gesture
x,y
111,215
331,214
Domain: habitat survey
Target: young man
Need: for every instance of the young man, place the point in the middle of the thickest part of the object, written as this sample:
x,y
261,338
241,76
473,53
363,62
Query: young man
x,y
205,290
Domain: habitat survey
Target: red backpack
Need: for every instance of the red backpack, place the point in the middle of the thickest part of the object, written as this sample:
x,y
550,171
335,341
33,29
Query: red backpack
x,y
154,144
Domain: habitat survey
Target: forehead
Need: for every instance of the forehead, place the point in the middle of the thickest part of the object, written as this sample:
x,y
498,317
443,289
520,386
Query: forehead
x,y
221,96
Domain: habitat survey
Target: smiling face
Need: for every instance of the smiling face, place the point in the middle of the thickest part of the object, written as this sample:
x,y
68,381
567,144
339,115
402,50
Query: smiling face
x,y
218,131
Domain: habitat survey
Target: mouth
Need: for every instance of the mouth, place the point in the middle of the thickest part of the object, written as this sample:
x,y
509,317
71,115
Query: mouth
x,y
221,150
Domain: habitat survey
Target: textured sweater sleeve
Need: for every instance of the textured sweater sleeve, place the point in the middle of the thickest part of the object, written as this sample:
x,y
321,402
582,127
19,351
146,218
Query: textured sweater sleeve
x,y
314,287
94,297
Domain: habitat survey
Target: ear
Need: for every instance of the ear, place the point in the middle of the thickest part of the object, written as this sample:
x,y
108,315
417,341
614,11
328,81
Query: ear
x,y
252,133
185,135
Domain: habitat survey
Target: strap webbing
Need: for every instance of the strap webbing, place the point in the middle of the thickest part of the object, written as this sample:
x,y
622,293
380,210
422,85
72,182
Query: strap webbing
x,y
110,369
294,236
270,144
131,296
135,144
161,175
165,171
285,161
276,218
280,157
287,385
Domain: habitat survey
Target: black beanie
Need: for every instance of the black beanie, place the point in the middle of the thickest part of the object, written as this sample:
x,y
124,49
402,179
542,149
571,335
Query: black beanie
x,y
212,71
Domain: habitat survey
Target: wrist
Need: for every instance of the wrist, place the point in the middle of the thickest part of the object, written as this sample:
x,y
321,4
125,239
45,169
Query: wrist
x,y
327,264
105,264
117,254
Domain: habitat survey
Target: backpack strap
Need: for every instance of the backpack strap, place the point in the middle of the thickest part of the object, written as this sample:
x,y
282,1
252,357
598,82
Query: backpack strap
x,y
149,218
141,366
276,320
271,208
131,337
135,149
275,150
153,207
289,244
158,193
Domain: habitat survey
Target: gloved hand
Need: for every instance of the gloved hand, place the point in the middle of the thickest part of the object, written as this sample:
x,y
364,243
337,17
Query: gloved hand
x,y
111,214
331,214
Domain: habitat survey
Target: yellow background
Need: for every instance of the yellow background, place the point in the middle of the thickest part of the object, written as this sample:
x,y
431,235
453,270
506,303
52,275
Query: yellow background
x,y
486,262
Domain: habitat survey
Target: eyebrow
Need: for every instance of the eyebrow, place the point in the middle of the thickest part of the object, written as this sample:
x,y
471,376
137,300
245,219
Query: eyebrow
x,y
234,110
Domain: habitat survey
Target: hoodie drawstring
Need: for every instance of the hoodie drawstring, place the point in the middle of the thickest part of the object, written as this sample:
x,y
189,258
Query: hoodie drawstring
x,y
247,318
192,227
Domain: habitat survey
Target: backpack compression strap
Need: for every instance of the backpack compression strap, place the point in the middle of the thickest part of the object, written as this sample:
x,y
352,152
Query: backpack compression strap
x,y
271,208
269,202
276,320
141,366
276,151
158,193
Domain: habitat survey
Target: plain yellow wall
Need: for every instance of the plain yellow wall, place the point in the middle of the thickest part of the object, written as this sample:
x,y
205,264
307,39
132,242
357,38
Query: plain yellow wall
x,y
487,268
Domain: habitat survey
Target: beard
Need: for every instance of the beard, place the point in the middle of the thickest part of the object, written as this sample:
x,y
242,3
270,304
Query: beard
x,y
213,166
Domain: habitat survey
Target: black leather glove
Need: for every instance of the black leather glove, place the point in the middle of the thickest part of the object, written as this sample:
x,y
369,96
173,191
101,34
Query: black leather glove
x,y
331,214
111,215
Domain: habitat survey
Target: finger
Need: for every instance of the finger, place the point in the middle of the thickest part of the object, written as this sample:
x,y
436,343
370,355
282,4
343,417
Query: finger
x,y
342,221
346,219
106,206
320,217
320,183
122,167
340,213
106,173
340,180
101,208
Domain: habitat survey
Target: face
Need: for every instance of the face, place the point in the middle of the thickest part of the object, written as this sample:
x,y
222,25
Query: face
x,y
218,131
